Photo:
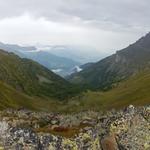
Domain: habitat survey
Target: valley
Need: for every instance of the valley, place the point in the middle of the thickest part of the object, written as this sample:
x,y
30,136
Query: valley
x,y
114,82
100,106
74,75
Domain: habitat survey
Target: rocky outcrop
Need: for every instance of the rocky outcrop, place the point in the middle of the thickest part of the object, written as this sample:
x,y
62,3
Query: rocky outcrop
x,y
127,129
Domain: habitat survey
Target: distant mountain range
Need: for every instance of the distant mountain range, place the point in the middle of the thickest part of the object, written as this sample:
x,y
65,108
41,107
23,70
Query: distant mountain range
x,y
60,65
15,47
117,67
77,53
61,59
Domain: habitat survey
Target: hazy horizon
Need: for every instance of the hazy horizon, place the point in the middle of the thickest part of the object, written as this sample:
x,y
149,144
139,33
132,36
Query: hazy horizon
x,y
105,26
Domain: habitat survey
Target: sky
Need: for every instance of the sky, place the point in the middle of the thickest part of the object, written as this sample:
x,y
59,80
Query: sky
x,y
105,25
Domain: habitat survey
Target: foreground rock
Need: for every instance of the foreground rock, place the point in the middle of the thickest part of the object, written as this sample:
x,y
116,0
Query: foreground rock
x,y
127,129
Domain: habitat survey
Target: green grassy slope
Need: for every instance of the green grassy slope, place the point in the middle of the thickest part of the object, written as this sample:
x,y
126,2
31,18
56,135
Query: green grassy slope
x,y
32,78
25,83
135,90
10,98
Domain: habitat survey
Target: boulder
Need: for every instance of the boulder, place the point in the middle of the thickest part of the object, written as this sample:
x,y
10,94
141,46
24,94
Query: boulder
x,y
109,143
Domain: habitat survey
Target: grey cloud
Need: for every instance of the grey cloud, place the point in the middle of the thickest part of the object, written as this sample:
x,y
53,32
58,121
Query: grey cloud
x,y
40,8
123,12
99,21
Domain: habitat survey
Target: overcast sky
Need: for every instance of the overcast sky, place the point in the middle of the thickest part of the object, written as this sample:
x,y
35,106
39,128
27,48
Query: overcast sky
x,y
106,25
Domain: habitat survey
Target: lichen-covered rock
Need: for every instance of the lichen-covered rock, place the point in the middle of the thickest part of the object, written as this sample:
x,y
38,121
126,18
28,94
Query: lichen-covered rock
x,y
126,129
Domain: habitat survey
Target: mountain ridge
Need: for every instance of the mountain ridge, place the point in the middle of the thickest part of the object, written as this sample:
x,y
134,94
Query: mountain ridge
x,y
45,58
31,78
52,61
117,67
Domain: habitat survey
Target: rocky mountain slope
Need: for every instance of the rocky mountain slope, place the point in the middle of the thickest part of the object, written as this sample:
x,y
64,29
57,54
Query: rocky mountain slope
x,y
117,67
125,129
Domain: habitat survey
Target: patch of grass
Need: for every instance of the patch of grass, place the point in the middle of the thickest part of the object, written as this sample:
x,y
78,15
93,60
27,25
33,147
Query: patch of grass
x,y
135,90
11,98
